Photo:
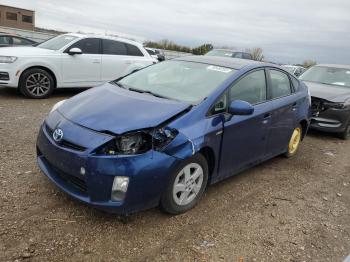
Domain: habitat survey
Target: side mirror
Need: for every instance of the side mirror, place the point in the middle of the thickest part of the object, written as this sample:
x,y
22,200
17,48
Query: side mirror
x,y
75,51
239,107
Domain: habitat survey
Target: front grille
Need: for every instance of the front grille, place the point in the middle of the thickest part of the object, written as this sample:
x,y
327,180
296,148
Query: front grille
x,y
70,180
4,76
65,143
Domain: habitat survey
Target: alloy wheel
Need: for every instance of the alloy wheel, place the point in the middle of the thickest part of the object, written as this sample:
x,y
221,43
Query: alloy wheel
x,y
188,184
37,84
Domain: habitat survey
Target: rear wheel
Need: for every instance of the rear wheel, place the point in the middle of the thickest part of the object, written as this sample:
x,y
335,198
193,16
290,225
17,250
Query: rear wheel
x,y
294,142
36,83
186,186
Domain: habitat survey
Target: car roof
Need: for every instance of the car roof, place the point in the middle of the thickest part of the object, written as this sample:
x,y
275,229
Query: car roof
x,y
335,66
229,50
125,40
234,63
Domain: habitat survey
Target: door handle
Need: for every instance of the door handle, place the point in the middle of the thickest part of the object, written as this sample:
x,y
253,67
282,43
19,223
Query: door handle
x,y
267,115
96,61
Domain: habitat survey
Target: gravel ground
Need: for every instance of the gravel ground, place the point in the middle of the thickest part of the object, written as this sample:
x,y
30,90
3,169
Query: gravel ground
x,y
283,210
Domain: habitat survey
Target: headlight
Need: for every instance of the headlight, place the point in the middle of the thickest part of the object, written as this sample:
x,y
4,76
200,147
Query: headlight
x,y
57,105
7,59
138,142
347,102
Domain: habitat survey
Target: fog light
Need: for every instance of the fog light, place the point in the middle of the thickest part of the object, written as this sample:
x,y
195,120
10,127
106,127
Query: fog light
x,y
119,188
82,171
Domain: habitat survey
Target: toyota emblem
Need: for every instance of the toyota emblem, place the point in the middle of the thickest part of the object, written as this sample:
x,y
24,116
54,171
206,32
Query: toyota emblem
x,y
57,135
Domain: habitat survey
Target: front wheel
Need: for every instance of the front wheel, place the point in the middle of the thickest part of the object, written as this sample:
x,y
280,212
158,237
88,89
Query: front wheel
x,y
36,83
186,186
294,142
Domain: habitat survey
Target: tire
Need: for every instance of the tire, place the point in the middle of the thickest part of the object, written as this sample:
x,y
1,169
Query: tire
x,y
294,142
346,134
187,185
36,83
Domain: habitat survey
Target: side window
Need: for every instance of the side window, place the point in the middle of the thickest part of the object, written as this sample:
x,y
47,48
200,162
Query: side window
x,y
11,16
220,105
88,45
21,41
4,40
111,47
251,88
280,85
133,50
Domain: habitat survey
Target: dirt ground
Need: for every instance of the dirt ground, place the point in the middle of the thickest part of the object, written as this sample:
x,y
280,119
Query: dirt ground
x,y
283,210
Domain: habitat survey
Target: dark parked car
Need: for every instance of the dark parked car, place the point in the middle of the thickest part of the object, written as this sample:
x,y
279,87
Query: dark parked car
x,y
14,40
159,136
330,91
229,53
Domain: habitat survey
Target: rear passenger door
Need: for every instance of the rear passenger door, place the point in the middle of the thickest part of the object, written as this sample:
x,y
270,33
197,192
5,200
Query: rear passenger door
x,y
118,59
284,113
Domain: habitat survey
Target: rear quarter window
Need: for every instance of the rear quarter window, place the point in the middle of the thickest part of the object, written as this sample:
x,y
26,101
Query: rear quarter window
x,y
133,50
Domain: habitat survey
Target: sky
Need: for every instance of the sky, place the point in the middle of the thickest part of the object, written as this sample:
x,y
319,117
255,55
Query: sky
x,y
288,31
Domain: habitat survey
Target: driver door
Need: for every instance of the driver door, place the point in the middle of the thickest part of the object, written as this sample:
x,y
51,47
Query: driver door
x,y
245,137
83,70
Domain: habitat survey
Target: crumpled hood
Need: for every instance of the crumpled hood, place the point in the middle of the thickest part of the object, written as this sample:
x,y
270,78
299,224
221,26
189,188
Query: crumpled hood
x,y
24,51
111,108
329,92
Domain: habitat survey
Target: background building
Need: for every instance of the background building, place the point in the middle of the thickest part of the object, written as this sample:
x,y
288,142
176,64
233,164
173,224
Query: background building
x,y
17,17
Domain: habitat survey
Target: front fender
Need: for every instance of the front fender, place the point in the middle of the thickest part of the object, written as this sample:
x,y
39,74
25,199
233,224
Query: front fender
x,y
183,147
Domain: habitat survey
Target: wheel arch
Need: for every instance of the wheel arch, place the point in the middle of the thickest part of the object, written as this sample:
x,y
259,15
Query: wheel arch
x,y
209,155
304,126
42,68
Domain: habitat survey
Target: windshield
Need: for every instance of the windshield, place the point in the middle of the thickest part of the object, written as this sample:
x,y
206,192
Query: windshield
x,y
328,75
227,53
57,42
289,69
178,80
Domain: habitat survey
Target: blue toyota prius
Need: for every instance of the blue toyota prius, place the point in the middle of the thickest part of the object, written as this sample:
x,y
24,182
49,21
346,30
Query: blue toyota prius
x,y
161,135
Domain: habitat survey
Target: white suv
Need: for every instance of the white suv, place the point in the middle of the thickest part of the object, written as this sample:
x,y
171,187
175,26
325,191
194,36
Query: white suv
x,y
70,60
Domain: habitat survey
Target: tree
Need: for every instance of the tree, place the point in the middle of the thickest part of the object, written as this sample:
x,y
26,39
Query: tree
x,y
169,45
257,53
309,63
203,49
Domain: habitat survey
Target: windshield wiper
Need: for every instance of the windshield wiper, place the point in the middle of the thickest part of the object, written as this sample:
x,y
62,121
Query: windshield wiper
x,y
119,84
147,92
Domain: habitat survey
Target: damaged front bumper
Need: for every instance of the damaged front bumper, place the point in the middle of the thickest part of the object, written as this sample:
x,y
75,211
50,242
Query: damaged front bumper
x,y
326,118
148,173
